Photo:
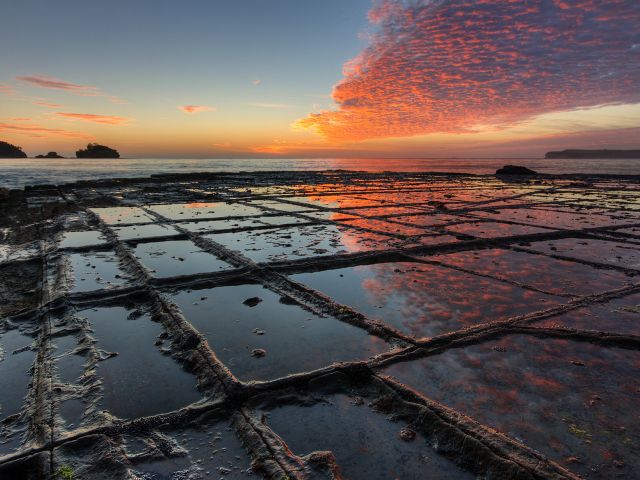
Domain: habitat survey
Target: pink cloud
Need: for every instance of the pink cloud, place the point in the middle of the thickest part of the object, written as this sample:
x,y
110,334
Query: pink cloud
x,y
38,131
456,66
44,81
90,117
47,104
7,90
196,108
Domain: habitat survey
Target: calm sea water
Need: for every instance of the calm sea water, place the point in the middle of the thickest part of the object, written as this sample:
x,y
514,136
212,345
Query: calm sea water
x,y
16,173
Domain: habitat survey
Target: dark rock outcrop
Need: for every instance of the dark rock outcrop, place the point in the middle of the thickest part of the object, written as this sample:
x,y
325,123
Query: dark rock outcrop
x,y
95,150
515,170
11,151
50,155
593,154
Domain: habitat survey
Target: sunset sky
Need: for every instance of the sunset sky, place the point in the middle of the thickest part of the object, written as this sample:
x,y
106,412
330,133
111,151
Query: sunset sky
x,y
352,78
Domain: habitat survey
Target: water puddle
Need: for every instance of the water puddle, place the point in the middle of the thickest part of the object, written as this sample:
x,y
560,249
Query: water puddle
x,y
213,225
212,451
177,257
185,211
548,274
139,380
85,238
365,443
493,229
95,271
383,211
601,251
293,339
144,231
116,215
301,242
14,371
386,227
430,219
572,401
548,218
424,300
69,366
621,315
72,412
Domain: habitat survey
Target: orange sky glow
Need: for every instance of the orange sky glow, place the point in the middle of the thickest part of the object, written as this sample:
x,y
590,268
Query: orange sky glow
x,y
429,79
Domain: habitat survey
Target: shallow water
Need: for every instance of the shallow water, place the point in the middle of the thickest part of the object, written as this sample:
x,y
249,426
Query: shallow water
x,y
95,271
295,340
545,273
573,401
301,242
366,443
424,300
213,452
16,173
139,370
177,257
14,371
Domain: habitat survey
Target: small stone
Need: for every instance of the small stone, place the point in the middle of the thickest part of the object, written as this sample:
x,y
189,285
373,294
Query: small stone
x,y
407,434
252,302
258,352
577,363
257,331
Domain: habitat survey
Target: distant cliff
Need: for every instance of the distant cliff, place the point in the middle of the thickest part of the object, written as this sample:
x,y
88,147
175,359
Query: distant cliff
x,y
50,155
594,154
95,150
11,151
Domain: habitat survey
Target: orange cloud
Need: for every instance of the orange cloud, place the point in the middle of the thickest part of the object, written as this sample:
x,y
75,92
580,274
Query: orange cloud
x,y
89,117
466,65
196,108
47,104
7,90
38,131
44,81
257,82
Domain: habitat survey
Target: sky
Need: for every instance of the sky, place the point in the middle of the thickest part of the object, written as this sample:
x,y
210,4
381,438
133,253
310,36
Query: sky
x,y
356,78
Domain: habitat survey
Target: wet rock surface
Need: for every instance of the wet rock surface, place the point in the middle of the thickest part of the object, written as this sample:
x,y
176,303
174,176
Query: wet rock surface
x,y
320,325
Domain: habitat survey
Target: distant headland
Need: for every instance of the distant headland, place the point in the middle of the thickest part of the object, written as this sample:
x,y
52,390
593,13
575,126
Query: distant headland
x,y
11,151
577,154
93,150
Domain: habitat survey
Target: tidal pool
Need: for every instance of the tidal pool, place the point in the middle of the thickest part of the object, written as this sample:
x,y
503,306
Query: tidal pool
x,y
138,380
572,401
294,339
425,300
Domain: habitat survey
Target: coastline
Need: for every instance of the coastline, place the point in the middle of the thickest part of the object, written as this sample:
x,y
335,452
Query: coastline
x,y
19,173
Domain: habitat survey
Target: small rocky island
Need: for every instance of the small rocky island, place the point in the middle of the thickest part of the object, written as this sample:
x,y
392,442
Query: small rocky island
x,y
8,150
50,155
95,150
577,154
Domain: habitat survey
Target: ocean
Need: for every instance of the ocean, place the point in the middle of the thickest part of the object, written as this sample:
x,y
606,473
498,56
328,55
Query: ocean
x,y
16,173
